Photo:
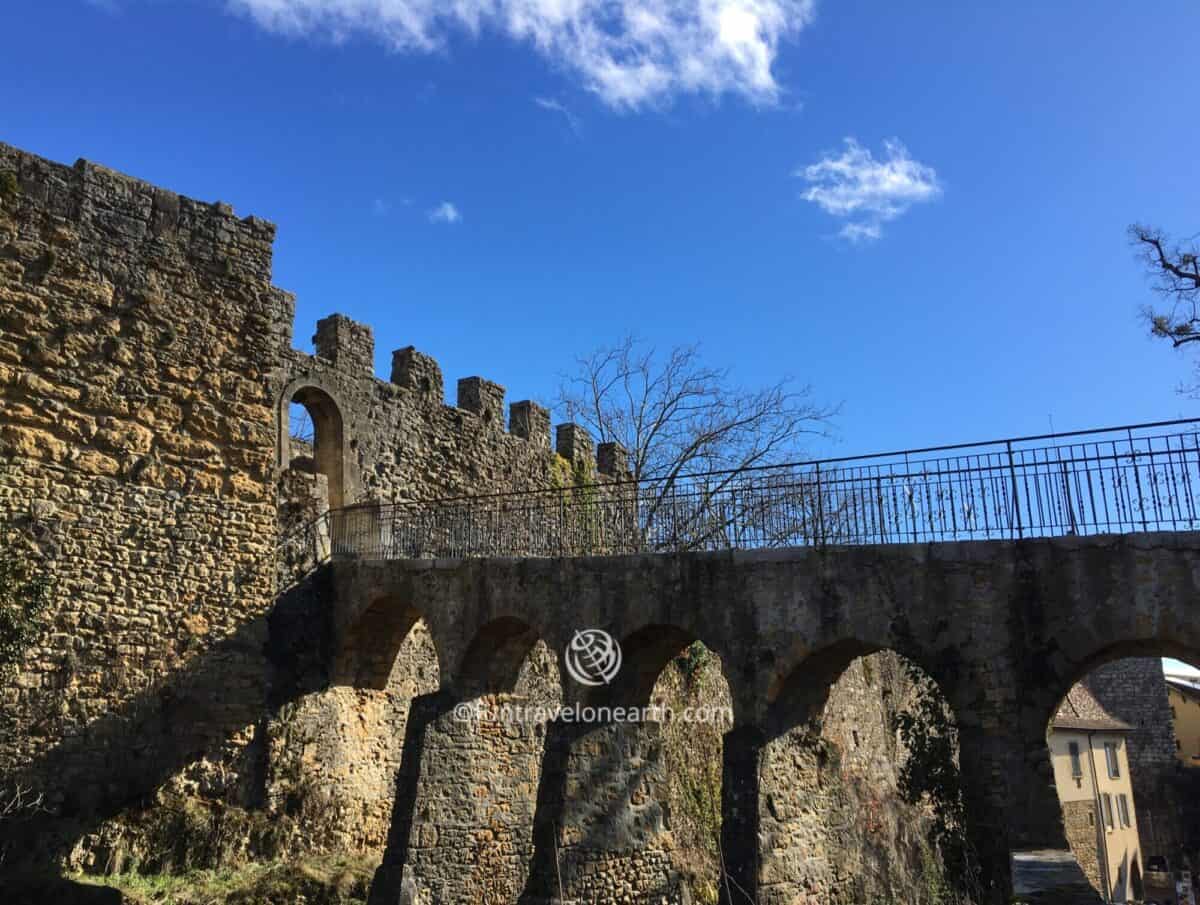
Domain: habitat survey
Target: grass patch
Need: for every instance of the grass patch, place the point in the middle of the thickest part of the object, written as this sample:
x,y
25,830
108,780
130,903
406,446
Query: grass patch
x,y
329,880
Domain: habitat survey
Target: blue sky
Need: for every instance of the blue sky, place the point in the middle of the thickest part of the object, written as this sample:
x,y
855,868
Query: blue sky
x,y
515,184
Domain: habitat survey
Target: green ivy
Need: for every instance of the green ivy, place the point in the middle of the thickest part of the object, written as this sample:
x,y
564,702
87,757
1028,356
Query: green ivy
x,y
25,585
930,776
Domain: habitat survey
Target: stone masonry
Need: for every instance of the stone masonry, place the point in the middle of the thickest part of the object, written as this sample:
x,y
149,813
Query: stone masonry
x,y
147,378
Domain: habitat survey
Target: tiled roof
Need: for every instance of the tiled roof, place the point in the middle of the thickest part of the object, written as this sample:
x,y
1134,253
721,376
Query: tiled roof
x,y
1080,710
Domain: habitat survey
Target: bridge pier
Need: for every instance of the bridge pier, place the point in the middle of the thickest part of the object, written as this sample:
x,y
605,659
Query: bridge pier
x,y
601,828
740,815
462,826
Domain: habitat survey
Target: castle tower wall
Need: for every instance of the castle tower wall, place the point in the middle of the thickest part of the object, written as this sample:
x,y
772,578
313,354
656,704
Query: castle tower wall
x,y
138,332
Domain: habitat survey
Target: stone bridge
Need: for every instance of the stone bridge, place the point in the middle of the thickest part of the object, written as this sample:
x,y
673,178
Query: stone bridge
x,y
147,381
1004,627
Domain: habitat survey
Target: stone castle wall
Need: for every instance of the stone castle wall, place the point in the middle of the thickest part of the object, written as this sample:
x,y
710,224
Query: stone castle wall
x,y
137,334
146,373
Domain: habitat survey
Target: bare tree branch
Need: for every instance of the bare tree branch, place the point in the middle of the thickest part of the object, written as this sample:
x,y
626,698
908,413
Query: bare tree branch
x,y
1175,274
677,416
19,801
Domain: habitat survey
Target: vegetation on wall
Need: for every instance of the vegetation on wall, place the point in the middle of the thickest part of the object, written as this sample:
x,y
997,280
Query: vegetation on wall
x,y
930,777
25,584
692,756
9,187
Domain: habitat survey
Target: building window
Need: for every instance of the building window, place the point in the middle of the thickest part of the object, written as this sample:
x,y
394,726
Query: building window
x,y
1076,764
1107,807
1110,754
1123,810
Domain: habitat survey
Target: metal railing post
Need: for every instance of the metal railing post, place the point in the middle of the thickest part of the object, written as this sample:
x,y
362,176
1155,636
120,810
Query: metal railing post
x,y
1137,478
820,526
1016,496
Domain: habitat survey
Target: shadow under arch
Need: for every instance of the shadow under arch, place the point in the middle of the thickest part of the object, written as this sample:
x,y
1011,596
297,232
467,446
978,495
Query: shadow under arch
x,y
329,439
367,651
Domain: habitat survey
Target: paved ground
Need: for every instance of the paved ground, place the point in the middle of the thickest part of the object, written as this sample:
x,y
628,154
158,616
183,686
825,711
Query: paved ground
x,y
1050,877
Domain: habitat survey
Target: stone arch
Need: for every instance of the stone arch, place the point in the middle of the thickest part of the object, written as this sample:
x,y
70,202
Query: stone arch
x,y
1115,695
610,801
330,453
494,659
483,748
367,650
646,652
1079,669
830,766
799,692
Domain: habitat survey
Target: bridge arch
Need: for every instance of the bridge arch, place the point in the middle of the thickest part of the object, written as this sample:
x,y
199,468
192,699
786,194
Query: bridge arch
x,y
645,653
1078,670
496,656
836,755
367,650
330,452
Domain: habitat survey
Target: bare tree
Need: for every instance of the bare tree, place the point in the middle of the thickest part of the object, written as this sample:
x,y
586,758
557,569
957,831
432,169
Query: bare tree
x,y
1175,273
677,416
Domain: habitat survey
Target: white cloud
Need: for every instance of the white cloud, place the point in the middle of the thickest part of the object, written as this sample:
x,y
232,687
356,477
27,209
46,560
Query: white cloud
x,y
632,53
549,103
380,207
445,213
867,192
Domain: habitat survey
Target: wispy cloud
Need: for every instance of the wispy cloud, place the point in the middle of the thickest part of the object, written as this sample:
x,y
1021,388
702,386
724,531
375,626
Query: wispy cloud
x,y
380,207
549,103
445,212
631,53
866,192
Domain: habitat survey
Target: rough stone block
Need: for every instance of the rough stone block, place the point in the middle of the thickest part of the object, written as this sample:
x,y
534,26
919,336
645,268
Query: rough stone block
x,y
612,459
531,421
484,398
418,372
573,443
349,345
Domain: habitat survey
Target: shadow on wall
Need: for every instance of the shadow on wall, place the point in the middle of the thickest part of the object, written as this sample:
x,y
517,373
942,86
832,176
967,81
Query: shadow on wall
x,y
538,837
118,761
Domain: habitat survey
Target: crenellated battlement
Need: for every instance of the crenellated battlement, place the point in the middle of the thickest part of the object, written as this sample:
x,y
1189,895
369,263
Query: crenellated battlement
x,y
401,438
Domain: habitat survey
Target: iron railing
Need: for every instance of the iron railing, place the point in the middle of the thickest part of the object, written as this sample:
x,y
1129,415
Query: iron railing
x,y
1118,480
